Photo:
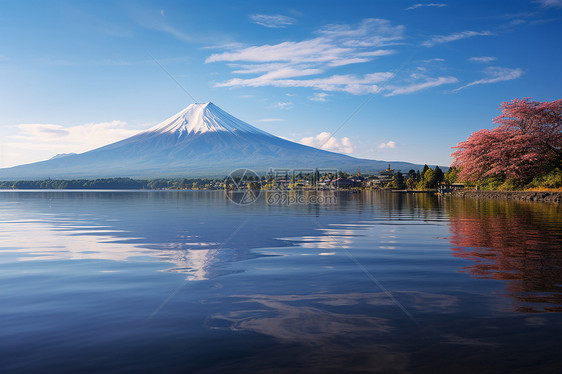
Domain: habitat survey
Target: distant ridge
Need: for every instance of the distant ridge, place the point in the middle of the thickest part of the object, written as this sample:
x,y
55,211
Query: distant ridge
x,y
200,141
62,155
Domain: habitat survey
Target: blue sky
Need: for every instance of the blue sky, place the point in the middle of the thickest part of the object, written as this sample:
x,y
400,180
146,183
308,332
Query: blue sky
x,y
398,80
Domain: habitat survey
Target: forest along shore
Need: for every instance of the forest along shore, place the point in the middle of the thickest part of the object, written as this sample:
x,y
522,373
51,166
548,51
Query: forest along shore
x,y
540,196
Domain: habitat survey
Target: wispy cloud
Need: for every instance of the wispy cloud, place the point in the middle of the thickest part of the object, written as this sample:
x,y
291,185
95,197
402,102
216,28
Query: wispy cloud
x,y
54,61
416,6
353,84
318,96
549,3
390,145
495,74
271,120
320,51
432,60
306,63
32,142
156,20
368,33
482,59
440,39
87,135
334,46
325,141
272,21
225,46
415,87
276,70
282,105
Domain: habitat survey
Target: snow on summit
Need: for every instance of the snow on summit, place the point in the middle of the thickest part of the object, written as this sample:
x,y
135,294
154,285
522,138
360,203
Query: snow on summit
x,y
202,118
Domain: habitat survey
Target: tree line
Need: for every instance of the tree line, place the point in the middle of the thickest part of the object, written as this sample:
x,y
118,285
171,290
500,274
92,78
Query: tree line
x,y
427,179
116,183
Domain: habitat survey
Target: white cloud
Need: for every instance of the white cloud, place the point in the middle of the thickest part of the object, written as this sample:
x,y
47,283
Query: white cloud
x,y
416,6
495,74
325,141
33,142
305,63
282,105
356,85
334,46
414,87
431,60
390,144
482,59
277,71
271,120
550,3
318,96
272,21
368,33
230,45
439,39
320,51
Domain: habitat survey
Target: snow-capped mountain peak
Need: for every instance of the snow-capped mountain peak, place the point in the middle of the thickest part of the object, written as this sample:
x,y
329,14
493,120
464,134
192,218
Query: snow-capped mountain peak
x,y
200,141
202,118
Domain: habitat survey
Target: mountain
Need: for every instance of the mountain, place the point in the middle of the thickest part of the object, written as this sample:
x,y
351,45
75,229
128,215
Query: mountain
x,y
200,141
59,155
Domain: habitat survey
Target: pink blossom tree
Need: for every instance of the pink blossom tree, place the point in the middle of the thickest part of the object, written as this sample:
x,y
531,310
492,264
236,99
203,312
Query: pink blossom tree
x,y
527,142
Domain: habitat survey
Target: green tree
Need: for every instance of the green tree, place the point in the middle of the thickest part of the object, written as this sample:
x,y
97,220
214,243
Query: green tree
x,y
425,168
428,180
411,184
439,176
451,175
399,180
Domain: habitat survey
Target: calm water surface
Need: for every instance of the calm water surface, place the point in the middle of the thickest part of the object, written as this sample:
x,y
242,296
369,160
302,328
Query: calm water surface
x,y
187,282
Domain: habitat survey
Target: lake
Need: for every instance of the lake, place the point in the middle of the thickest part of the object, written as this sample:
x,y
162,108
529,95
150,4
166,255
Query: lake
x,y
188,281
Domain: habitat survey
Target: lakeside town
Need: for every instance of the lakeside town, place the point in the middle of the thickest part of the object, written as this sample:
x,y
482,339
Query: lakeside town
x,y
286,179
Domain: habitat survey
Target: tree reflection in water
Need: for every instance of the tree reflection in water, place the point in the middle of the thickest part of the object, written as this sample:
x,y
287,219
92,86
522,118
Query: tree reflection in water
x,y
518,242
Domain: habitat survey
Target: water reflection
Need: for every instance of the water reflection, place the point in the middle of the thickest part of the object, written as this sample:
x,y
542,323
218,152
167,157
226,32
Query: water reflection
x,y
197,232
348,332
323,319
44,241
200,233
89,283
520,243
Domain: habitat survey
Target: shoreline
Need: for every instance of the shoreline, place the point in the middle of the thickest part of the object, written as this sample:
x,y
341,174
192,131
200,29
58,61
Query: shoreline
x,y
536,196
